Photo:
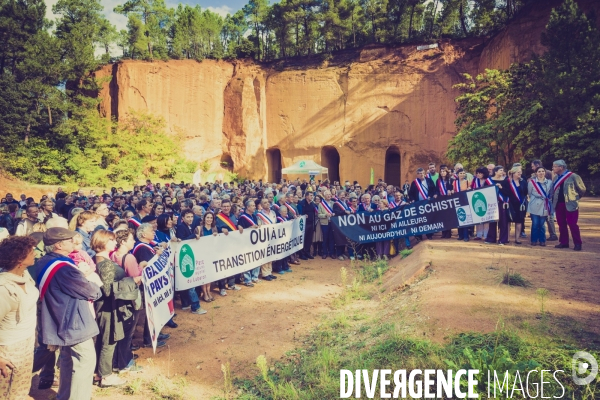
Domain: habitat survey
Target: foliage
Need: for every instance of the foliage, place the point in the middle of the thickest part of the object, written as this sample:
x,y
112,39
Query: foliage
x,y
300,27
547,108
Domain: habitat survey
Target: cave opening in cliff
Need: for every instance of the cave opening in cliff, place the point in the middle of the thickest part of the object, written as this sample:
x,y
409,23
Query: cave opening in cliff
x,y
274,165
330,158
227,162
392,166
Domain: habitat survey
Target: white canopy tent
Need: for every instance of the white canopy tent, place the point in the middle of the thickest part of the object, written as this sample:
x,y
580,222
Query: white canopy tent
x,y
305,167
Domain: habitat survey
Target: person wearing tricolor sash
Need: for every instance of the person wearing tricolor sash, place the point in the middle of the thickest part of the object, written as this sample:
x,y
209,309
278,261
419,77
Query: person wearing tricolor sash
x,y
266,216
143,208
309,208
501,182
398,202
65,315
143,252
248,221
227,222
422,188
517,200
535,164
291,203
481,180
567,188
340,207
325,214
444,188
539,207
365,204
282,266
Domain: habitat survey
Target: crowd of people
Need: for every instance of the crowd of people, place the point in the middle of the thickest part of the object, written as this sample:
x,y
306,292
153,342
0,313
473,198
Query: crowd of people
x,y
71,264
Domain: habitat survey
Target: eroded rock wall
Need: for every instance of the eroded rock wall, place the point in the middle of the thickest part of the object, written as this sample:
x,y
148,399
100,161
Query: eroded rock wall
x,y
385,98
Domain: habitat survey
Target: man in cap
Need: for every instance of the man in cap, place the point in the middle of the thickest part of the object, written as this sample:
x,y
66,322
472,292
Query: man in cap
x,y
65,318
568,188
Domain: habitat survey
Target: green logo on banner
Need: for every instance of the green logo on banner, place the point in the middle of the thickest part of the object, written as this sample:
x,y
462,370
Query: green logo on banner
x,y
301,224
302,164
187,263
462,215
478,204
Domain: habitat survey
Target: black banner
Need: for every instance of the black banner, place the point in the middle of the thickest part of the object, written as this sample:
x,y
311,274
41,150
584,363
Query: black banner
x,y
459,210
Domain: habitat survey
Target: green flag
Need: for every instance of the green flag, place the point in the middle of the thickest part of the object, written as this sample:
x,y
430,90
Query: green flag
x,y
372,176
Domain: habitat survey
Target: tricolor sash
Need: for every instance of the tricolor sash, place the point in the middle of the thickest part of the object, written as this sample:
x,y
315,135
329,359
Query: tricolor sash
x,y
291,209
135,222
352,208
456,185
247,218
280,219
227,221
442,187
49,270
140,245
561,179
423,190
539,188
392,204
276,206
265,218
515,190
476,184
341,204
327,207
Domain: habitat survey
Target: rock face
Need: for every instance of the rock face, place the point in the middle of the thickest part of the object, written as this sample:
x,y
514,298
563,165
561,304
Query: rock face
x,y
397,102
390,109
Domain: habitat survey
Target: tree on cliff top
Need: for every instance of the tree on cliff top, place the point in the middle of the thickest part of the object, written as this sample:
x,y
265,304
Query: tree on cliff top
x,y
548,108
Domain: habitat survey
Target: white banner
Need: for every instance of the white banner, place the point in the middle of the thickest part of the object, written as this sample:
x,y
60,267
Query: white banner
x,y
212,258
158,287
482,208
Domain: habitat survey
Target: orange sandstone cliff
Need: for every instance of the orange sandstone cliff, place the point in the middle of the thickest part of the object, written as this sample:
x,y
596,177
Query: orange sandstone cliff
x,y
387,108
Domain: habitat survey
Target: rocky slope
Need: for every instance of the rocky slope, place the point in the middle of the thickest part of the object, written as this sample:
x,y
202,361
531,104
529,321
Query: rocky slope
x,y
362,104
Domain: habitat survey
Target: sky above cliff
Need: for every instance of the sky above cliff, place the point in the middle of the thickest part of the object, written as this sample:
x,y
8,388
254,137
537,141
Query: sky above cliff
x,y
120,21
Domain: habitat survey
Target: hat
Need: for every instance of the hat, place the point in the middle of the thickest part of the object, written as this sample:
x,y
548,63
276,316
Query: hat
x,y
149,218
55,235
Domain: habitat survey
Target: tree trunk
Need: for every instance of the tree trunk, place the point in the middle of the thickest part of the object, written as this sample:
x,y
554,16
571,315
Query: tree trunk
x,y
49,114
433,18
412,13
461,13
27,133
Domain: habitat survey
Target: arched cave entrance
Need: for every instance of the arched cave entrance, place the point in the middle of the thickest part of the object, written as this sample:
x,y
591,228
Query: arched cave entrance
x,y
392,166
274,165
330,158
227,162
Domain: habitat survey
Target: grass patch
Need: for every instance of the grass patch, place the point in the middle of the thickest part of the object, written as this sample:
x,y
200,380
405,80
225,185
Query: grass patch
x,y
515,279
164,388
389,339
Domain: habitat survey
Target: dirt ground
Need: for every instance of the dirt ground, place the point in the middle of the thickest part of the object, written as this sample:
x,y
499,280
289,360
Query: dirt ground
x,y
462,292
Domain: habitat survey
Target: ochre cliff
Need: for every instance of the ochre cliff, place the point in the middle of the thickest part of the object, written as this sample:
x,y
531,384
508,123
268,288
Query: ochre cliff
x,y
387,108
396,99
